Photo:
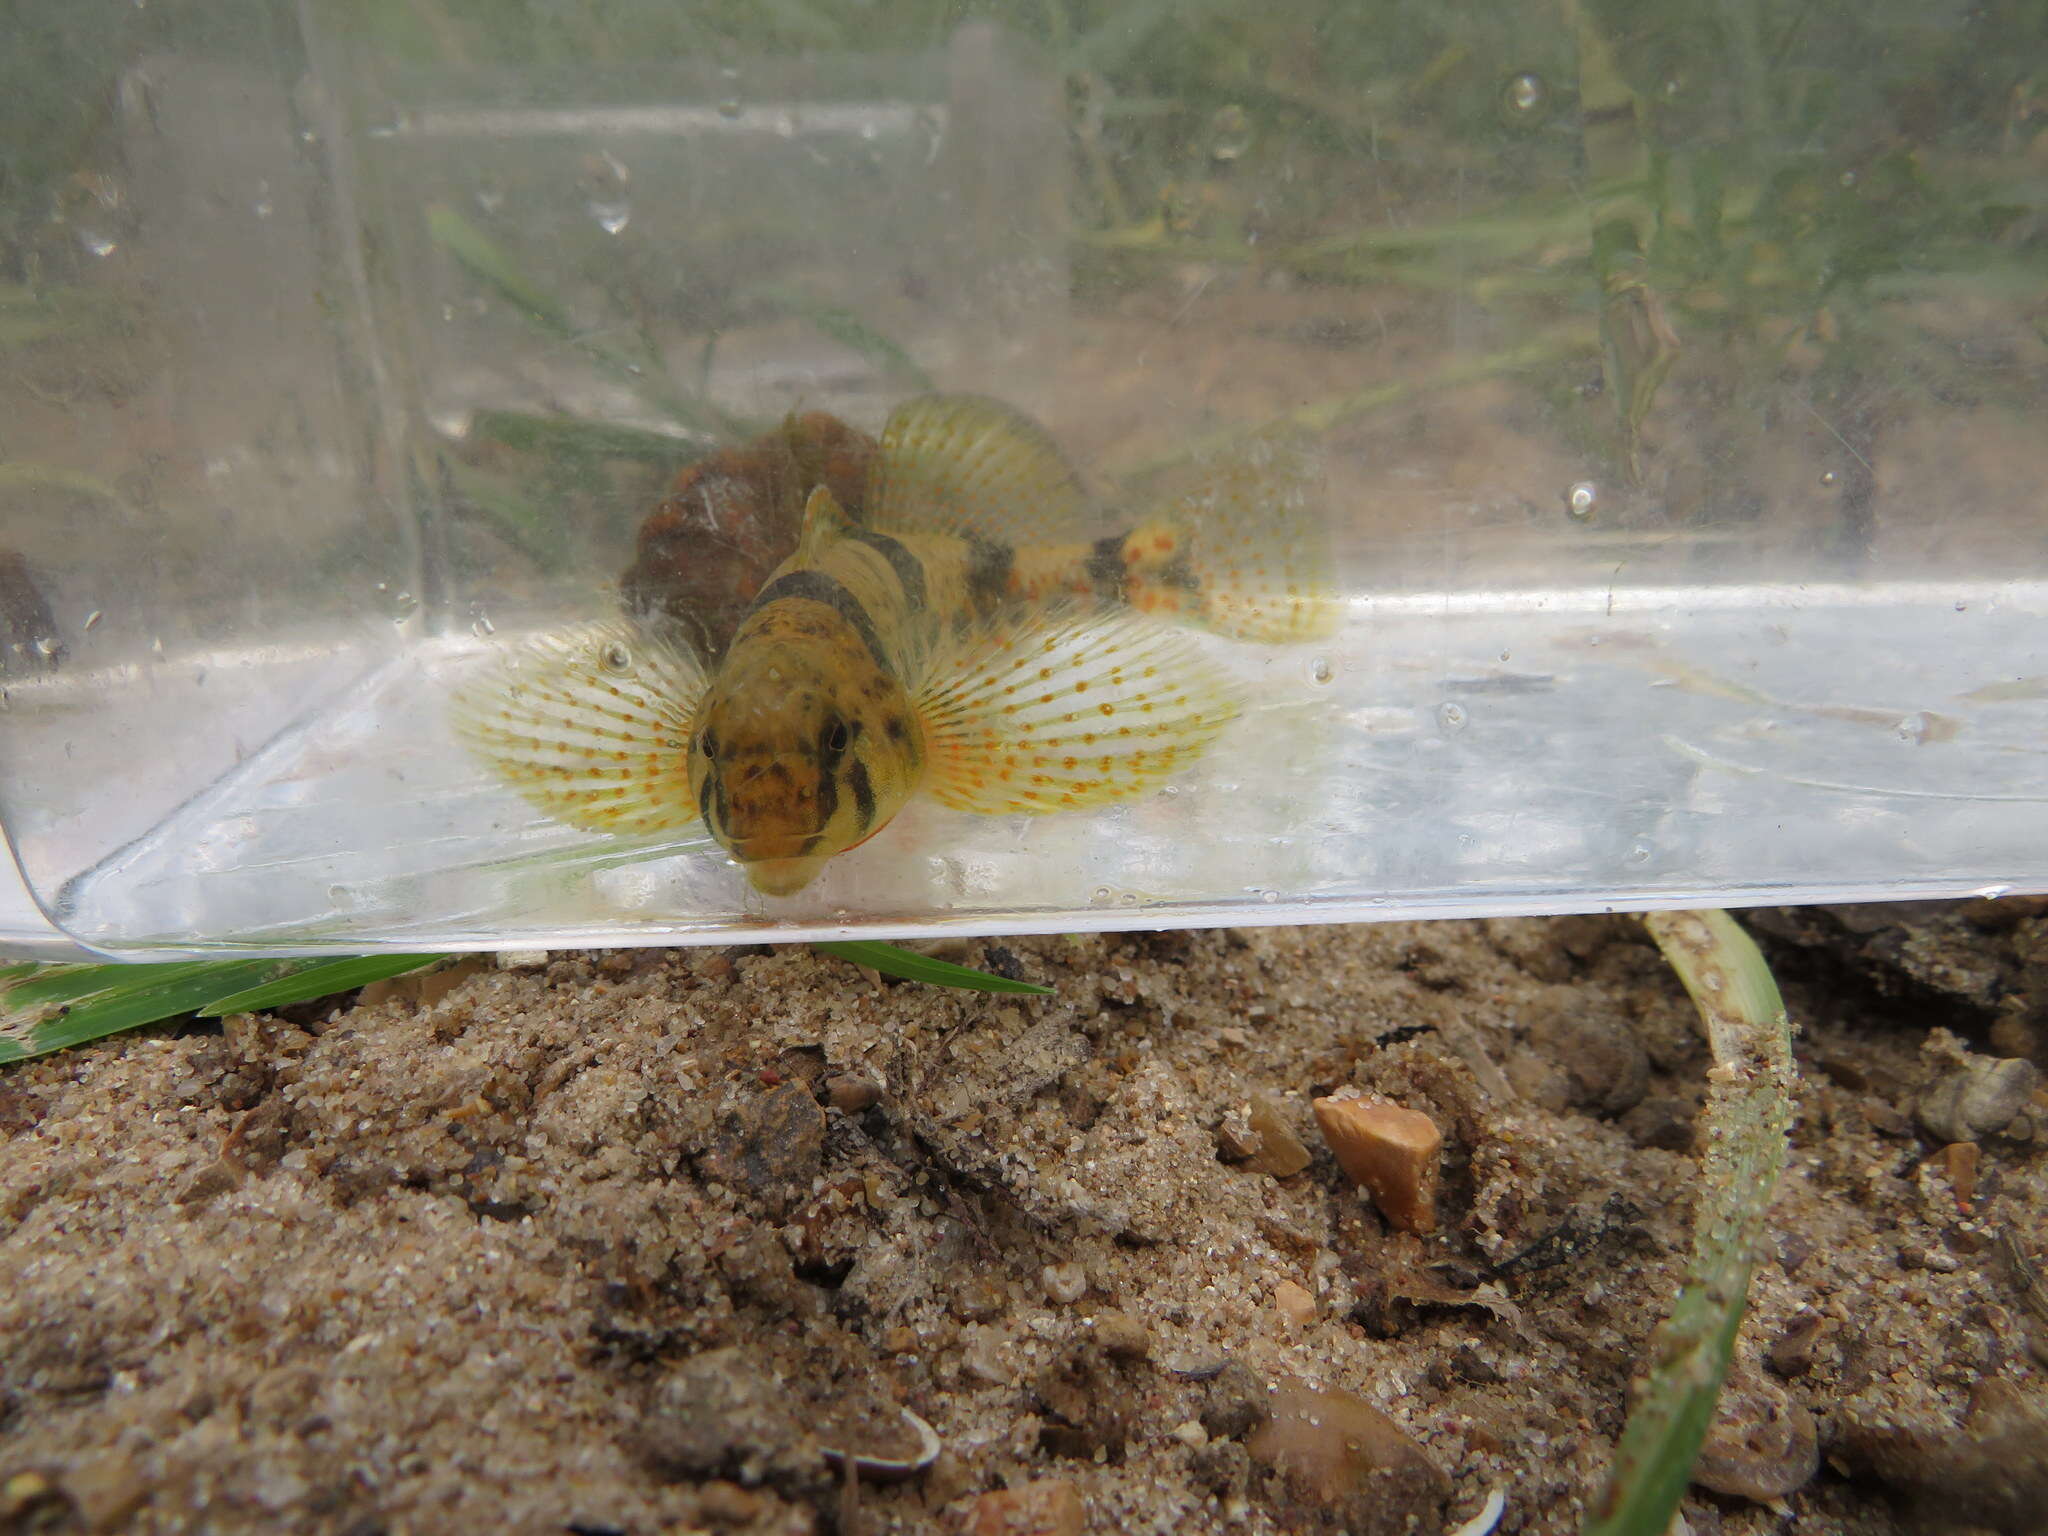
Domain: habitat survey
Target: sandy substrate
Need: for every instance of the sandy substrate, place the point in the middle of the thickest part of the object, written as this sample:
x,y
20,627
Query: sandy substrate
x,y
630,1241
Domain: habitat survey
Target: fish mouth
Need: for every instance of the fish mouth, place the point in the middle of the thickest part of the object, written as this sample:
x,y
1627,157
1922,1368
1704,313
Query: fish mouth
x,y
782,877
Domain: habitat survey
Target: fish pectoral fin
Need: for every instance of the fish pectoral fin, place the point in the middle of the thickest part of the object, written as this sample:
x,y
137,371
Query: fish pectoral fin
x,y
1068,712
591,724
1243,550
975,468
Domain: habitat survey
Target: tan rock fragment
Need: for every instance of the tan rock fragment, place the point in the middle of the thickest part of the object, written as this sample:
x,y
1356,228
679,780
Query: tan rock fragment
x,y
1049,1506
1122,1336
1390,1151
1294,1303
1336,1451
1280,1151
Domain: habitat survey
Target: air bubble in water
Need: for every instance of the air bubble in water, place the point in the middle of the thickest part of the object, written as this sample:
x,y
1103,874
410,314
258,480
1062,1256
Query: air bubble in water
x,y
1451,716
1639,854
454,425
931,131
603,180
92,620
263,207
1991,892
1581,501
1320,671
97,244
482,627
1915,728
1230,134
1100,895
1524,99
1829,479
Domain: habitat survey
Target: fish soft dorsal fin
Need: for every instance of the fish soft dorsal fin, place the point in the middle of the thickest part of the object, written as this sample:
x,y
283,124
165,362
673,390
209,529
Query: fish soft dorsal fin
x,y
1067,711
824,522
975,468
591,724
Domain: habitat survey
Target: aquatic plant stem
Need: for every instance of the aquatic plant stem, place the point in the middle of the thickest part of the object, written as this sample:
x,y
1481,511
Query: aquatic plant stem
x,y
1742,1133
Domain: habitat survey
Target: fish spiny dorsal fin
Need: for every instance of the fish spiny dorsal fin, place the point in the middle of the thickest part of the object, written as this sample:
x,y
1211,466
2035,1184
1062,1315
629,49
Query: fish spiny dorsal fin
x,y
1242,549
975,468
824,521
1068,711
591,724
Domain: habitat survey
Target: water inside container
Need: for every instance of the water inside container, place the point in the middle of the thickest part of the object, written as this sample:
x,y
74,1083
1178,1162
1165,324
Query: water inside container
x,y
1670,394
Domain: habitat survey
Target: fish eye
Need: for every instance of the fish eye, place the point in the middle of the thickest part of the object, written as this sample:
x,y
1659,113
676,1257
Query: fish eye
x,y
616,658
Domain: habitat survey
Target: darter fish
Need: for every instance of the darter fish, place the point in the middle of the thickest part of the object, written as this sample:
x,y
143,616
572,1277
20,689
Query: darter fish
x,y
979,637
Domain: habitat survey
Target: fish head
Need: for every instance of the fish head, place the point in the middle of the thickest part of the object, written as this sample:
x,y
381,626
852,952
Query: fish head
x,y
797,755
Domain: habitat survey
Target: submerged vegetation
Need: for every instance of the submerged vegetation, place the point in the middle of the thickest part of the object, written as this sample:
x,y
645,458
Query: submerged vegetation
x,y
52,1007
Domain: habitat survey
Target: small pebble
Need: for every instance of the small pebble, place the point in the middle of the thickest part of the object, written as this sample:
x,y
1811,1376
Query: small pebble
x,y
1047,1506
1338,1451
1762,1445
1913,1256
1064,1283
1980,1096
1962,1160
850,1094
1122,1336
1294,1304
1280,1151
1390,1151
1236,1141
1791,1353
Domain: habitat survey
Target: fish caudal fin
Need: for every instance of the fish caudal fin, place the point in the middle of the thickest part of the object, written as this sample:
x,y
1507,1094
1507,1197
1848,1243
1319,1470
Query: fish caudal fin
x,y
1068,712
977,469
591,724
1244,550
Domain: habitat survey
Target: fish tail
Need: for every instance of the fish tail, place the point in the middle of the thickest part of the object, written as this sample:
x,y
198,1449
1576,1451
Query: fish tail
x,y
1243,550
590,724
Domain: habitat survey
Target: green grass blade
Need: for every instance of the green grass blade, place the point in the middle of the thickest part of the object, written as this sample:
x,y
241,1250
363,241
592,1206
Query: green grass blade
x,y
558,436
1743,1128
46,1008
892,961
69,1005
321,979
639,369
485,259
853,333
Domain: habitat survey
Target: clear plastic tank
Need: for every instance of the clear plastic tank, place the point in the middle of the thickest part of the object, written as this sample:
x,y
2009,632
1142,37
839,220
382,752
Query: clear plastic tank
x,y
1674,395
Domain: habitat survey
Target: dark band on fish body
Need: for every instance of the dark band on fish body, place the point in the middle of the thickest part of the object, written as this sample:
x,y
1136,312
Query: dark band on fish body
x,y
821,588
988,572
908,568
863,794
1106,570
1179,575
707,792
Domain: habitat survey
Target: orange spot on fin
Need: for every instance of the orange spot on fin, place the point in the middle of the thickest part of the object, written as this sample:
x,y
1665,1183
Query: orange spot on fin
x,y
590,724
1165,700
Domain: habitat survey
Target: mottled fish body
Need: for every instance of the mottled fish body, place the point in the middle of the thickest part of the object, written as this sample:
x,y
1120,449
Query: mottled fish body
x,y
976,637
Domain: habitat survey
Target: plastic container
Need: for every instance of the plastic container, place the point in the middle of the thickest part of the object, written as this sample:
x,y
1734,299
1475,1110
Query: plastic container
x,y
1675,404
